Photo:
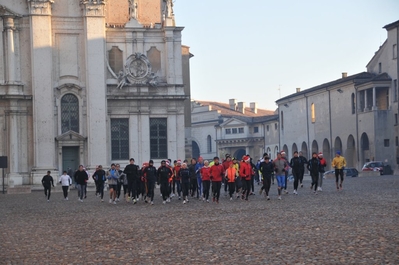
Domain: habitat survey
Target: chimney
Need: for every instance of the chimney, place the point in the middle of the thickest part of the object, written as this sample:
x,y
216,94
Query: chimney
x,y
344,75
254,107
233,103
298,89
241,107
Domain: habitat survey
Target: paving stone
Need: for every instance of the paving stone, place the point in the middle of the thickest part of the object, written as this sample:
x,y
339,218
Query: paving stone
x,y
358,225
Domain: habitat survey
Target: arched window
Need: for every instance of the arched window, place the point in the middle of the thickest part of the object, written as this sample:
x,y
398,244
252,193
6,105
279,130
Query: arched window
x,y
353,103
209,143
313,111
69,113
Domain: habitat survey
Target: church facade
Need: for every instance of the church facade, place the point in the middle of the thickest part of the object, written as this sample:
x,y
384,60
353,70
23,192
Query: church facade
x,y
90,82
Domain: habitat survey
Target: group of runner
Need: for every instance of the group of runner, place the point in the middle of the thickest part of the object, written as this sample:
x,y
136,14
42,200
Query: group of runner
x,y
199,179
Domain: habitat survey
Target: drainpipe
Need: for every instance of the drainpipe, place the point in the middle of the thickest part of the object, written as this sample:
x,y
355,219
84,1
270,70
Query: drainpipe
x,y
307,124
329,112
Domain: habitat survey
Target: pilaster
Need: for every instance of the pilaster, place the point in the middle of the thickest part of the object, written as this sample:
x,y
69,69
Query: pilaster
x,y
95,51
42,89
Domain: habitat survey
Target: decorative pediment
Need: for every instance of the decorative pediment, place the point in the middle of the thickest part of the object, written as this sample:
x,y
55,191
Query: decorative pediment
x,y
137,72
70,136
5,12
232,122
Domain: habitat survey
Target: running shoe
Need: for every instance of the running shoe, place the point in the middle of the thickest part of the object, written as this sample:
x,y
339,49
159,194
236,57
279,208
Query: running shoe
x,y
268,198
231,198
164,202
319,189
114,202
134,201
102,200
168,200
110,200
295,192
184,201
152,203
301,185
67,198
286,191
279,197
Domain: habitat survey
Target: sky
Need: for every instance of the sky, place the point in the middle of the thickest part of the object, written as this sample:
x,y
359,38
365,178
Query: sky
x,y
261,50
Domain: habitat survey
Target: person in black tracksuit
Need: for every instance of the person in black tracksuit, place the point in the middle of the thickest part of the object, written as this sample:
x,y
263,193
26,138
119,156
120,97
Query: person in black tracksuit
x,y
314,167
164,174
47,182
150,173
100,178
184,175
193,177
304,163
132,174
297,168
267,169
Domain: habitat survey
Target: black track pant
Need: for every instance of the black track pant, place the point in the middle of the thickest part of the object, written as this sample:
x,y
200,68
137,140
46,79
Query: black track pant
x,y
165,191
247,186
301,173
266,183
232,188
315,179
193,186
296,179
150,186
339,173
101,189
65,191
216,185
185,186
47,192
206,185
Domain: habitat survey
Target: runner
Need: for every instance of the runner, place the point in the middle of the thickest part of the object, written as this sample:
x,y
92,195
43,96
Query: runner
x,y
177,179
150,173
99,176
216,174
231,175
47,182
266,167
314,167
164,173
184,174
339,163
198,167
133,180
206,180
113,176
81,178
297,168
246,176
279,165
286,170
323,164
65,181
124,183
226,164
193,177
304,163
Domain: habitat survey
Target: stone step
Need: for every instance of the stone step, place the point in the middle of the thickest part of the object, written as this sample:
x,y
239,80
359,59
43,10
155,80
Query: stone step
x,y
19,190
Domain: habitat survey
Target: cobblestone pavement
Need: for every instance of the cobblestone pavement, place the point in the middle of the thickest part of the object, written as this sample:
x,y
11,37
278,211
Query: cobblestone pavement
x,y
359,225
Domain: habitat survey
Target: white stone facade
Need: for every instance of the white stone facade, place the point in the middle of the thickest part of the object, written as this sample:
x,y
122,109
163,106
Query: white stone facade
x,y
356,114
219,129
67,74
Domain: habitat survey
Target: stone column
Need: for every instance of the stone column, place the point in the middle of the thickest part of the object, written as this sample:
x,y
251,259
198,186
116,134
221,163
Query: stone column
x,y
95,51
42,89
10,53
374,99
365,100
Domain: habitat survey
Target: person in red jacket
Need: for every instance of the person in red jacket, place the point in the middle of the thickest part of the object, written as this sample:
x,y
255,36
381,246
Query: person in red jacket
x,y
217,174
323,164
246,175
206,180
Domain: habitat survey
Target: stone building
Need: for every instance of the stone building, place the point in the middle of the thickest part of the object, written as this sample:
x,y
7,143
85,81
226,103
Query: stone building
x,y
220,128
357,114
90,82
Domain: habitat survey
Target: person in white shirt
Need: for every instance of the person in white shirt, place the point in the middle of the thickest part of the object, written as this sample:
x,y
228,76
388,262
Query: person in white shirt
x,y
65,181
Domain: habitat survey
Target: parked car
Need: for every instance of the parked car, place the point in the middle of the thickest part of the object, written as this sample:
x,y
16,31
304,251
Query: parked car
x,y
348,172
374,166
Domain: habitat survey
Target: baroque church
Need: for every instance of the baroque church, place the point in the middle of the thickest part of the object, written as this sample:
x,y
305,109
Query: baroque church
x,y
90,82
